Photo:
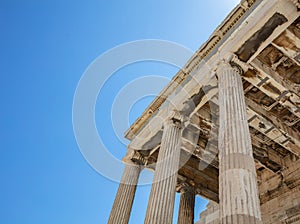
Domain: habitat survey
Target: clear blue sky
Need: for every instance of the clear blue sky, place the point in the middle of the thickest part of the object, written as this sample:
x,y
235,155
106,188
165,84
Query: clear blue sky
x,y
45,48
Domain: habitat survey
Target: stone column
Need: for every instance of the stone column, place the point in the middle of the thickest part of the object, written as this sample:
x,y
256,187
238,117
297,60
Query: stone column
x,y
187,205
238,192
161,202
121,209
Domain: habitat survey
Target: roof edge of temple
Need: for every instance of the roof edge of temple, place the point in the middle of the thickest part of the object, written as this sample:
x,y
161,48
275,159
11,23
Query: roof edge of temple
x,y
206,48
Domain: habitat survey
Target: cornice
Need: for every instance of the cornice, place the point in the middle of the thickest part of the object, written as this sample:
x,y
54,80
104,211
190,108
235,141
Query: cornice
x,y
219,34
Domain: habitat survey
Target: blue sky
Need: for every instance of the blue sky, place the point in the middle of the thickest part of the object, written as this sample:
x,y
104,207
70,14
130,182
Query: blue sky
x,y
45,48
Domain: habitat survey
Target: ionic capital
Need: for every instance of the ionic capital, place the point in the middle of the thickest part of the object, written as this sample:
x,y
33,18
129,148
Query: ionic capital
x,y
184,187
138,158
134,157
175,118
234,64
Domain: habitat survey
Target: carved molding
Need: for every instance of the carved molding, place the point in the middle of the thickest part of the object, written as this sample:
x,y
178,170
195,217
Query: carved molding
x,y
227,25
296,3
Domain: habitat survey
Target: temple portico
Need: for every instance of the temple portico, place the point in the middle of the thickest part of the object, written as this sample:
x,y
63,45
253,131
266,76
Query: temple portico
x,y
234,139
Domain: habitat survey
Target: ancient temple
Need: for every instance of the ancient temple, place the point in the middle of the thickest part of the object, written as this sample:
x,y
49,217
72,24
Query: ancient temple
x,y
227,127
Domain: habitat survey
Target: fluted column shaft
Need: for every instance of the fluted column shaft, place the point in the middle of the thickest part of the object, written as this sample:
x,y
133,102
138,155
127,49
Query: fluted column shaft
x,y
186,206
121,209
238,192
162,196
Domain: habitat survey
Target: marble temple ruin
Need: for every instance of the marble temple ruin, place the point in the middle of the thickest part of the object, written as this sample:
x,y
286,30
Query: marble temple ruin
x,y
234,139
